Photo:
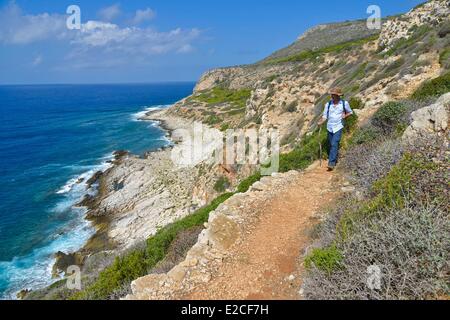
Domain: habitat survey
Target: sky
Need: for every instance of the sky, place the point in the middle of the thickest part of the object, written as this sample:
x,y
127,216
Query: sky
x,y
159,40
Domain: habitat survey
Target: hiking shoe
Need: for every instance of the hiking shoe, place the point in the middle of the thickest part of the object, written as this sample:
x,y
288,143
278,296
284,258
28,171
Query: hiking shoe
x,y
331,168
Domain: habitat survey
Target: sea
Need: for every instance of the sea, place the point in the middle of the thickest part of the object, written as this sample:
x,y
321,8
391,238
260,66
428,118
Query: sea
x,y
53,138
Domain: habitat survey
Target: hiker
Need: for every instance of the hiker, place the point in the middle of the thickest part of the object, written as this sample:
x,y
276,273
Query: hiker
x,y
335,112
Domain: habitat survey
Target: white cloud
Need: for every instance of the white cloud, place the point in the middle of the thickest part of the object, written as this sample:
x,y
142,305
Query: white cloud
x,y
133,40
100,39
187,48
17,28
143,15
110,13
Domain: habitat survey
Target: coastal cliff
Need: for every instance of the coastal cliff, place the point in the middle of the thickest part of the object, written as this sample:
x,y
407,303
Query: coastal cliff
x,y
172,229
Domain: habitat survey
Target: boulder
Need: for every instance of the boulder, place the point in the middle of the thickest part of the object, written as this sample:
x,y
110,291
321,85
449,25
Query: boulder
x,y
63,261
429,120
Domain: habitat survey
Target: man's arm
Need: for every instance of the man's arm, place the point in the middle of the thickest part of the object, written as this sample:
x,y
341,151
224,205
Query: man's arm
x,y
348,111
324,116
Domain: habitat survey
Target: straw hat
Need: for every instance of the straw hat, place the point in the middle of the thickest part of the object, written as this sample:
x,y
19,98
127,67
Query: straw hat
x,y
337,91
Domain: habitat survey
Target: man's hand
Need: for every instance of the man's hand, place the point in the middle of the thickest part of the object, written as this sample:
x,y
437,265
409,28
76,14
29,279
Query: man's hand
x,y
321,121
346,115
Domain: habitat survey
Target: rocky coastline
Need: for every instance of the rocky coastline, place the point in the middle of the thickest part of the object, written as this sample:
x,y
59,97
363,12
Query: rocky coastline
x,y
104,211
135,197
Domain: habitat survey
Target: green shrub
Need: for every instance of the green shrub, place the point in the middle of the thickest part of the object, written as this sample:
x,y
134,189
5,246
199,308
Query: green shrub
x,y
248,182
389,116
444,29
356,103
224,127
326,259
271,78
213,120
364,135
235,112
435,87
305,153
360,72
219,95
350,123
222,184
392,191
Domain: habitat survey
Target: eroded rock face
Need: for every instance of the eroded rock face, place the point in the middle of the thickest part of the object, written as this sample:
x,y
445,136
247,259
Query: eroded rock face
x,y
428,121
431,13
141,194
214,77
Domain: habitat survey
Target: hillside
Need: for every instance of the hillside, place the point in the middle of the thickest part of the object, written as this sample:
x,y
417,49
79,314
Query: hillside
x,y
386,205
288,89
323,36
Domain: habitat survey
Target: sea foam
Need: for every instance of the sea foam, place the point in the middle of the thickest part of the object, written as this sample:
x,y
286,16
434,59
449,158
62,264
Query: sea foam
x,y
139,115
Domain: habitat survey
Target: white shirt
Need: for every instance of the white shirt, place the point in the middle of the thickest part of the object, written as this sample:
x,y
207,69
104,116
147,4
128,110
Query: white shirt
x,y
336,112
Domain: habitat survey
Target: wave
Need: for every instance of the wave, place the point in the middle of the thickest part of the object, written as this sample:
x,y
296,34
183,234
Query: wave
x,y
139,115
79,182
34,271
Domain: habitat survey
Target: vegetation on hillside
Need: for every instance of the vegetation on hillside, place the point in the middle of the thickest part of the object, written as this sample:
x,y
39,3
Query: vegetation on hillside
x,y
435,87
400,229
218,95
312,54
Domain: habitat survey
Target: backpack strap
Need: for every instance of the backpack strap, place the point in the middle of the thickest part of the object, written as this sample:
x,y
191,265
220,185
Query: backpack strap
x,y
328,110
343,103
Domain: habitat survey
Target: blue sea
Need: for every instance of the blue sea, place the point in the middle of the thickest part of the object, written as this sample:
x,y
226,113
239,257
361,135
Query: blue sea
x,y
50,137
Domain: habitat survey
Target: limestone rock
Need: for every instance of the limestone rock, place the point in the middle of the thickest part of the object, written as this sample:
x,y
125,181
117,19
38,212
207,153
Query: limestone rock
x,y
430,13
429,120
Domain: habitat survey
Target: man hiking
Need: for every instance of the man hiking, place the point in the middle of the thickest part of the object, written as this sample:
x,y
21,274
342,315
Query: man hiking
x,y
335,112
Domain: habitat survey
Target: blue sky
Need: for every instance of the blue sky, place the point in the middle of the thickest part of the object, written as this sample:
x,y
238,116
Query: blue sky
x,y
158,40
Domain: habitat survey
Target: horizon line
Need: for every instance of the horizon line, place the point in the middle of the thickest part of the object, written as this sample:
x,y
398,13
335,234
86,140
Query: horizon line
x,y
97,83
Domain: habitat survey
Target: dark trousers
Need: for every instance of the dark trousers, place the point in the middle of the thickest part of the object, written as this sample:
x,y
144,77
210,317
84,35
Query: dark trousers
x,y
334,139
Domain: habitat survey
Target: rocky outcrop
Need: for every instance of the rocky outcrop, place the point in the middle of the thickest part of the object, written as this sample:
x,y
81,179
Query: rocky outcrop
x,y
216,77
63,261
139,195
429,121
430,13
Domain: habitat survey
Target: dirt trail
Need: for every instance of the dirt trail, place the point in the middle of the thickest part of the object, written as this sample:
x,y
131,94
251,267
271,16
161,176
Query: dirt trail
x,y
267,262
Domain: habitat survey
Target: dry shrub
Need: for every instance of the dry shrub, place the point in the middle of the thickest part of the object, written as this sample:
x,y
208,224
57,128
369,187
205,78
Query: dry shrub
x,y
178,250
410,246
371,161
